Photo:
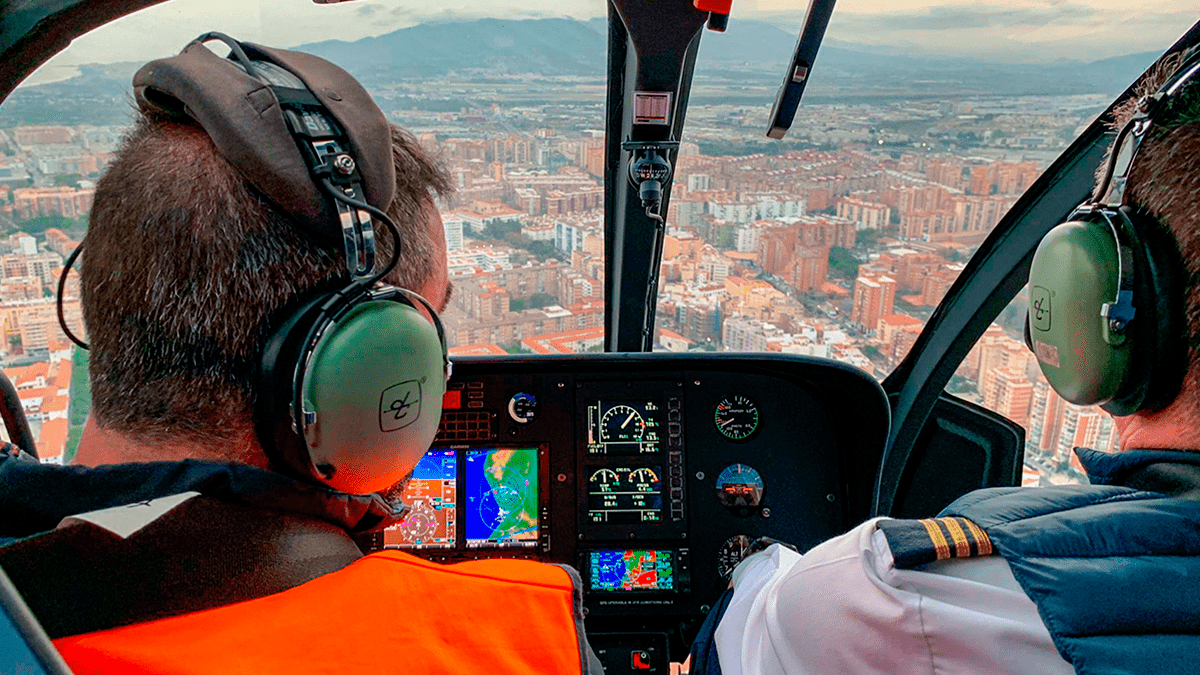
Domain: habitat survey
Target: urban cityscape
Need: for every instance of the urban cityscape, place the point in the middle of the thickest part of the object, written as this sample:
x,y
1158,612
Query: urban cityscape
x,y
837,244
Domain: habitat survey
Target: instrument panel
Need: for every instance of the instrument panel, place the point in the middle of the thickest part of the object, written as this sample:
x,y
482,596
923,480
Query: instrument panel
x,y
651,474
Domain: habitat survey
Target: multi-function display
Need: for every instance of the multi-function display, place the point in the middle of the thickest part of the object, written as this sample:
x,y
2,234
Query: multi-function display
x,y
501,487
432,497
624,428
492,491
631,570
625,494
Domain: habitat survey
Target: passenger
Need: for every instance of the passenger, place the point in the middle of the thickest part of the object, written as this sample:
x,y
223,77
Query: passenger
x,y
186,265
1099,579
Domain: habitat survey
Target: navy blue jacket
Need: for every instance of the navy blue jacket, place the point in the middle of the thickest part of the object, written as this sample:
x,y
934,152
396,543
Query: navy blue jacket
x,y
1114,567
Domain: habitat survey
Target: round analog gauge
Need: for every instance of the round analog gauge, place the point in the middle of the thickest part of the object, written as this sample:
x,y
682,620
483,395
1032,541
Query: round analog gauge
x,y
522,408
736,417
622,424
731,553
739,485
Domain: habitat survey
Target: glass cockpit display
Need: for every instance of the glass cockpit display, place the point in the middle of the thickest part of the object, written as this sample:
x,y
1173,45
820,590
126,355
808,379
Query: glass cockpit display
x,y
501,505
624,428
625,494
432,498
631,570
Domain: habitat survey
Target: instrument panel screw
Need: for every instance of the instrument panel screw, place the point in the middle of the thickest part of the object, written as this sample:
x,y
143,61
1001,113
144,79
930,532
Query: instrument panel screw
x,y
831,497
344,164
704,609
562,477
699,475
562,385
766,512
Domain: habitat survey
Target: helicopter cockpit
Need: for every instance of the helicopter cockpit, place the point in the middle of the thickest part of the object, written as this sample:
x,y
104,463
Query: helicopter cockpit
x,y
616,195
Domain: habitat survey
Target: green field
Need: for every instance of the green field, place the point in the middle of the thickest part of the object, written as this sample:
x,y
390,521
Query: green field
x,y
81,402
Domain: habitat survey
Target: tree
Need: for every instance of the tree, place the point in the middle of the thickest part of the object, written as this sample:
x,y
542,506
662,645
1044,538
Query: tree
x,y
68,180
42,223
867,238
539,300
842,264
950,254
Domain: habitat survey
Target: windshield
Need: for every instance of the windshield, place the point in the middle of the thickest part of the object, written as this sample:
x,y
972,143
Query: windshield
x,y
920,127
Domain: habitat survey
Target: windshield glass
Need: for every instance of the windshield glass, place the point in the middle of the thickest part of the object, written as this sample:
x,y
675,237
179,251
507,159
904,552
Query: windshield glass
x,y
921,125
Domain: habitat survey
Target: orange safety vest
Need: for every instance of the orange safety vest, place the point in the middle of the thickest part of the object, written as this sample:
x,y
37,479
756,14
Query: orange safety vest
x,y
387,612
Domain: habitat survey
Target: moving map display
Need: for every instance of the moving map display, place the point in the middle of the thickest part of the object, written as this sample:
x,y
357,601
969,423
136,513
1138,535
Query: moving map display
x,y
631,570
431,495
625,494
501,486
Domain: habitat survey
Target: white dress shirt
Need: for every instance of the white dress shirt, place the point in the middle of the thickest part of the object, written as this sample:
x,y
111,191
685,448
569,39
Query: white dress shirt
x,y
843,608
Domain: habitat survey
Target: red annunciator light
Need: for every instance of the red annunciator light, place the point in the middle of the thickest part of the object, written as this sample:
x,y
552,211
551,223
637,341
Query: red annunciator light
x,y
718,13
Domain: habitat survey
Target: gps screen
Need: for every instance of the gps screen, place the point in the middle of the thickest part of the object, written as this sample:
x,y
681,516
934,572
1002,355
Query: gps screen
x,y
501,489
631,570
431,495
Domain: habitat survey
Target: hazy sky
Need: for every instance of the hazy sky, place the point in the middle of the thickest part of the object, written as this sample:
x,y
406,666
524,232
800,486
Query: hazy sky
x,y
1022,30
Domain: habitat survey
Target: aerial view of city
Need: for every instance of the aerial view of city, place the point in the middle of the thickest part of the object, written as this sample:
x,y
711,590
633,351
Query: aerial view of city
x,y
837,242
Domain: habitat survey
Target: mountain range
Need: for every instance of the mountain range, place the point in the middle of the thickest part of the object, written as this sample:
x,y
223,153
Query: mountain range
x,y
749,49
743,66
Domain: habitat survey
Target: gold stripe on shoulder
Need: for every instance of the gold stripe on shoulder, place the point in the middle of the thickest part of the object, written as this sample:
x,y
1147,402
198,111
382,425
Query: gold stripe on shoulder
x,y
936,536
982,542
962,547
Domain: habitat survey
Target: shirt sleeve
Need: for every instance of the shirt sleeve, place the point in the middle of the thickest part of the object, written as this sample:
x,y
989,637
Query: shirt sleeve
x,y
843,607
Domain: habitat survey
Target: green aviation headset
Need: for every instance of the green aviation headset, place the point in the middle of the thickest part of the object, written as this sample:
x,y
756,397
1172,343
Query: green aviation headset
x,y
351,380
1106,305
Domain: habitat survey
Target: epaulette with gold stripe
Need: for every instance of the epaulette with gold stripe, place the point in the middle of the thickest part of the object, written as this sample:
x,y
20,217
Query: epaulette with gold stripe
x,y
916,542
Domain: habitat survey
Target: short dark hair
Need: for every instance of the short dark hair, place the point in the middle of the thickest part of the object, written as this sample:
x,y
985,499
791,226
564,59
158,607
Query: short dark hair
x,y
1165,182
185,265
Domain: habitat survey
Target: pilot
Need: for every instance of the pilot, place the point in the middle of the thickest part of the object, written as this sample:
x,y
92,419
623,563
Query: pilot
x,y
1079,579
197,529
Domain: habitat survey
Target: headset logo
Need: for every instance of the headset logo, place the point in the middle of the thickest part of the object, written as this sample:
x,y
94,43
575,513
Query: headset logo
x,y
1039,308
400,405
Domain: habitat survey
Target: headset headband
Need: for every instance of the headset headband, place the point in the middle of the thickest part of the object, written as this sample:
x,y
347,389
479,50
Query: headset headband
x,y
250,113
1111,189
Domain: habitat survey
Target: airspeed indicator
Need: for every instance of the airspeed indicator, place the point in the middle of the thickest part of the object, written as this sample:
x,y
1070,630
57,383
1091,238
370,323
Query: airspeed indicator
x,y
736,417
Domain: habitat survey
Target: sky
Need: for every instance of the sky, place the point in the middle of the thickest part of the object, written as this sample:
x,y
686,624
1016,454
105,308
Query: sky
x,y
1003,30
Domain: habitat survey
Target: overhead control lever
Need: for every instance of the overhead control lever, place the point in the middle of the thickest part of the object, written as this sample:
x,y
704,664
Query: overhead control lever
x,y
783,111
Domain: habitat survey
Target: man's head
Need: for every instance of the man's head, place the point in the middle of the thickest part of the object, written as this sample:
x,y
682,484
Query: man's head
x,y
1165,181
185,267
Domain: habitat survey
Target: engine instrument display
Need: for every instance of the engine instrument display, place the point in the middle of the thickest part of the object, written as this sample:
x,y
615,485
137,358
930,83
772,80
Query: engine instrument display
x,y
501,505
431,495
631,570
736,417
623,428
625,494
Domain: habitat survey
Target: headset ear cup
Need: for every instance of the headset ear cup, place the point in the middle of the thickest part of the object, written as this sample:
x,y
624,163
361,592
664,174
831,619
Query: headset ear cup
x,y
1160,328
374,384
273,404
369,391
1074,272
